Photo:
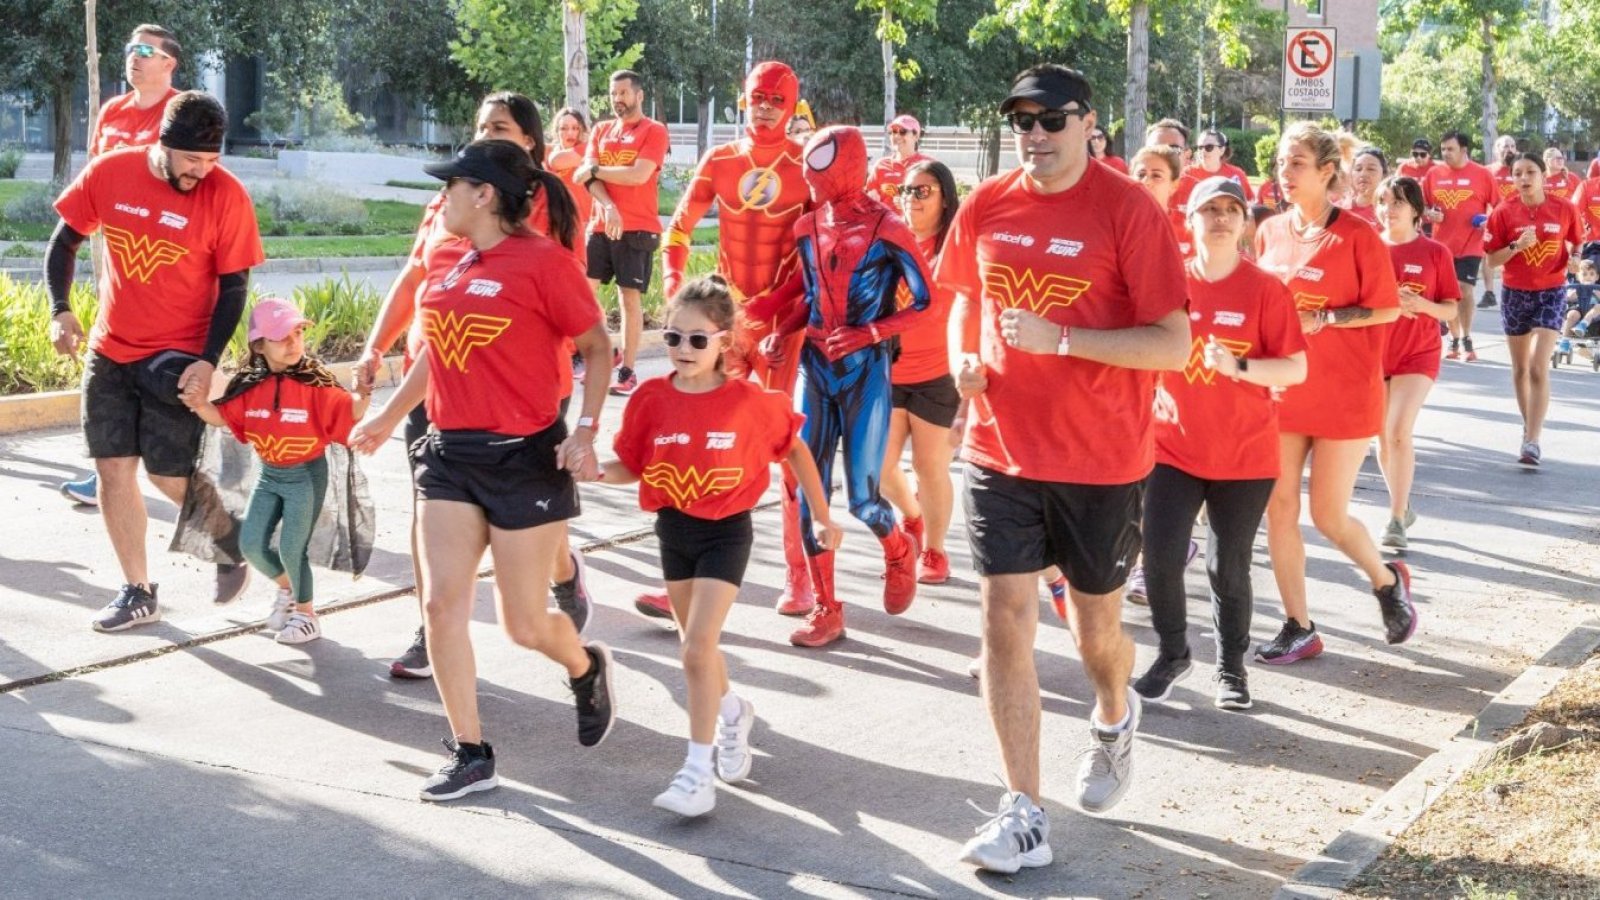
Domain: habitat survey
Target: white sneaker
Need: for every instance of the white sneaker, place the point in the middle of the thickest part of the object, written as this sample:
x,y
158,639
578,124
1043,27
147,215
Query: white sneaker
x,y
282,608
1018,836
733,744
1107,767
300,629
691,793
975,668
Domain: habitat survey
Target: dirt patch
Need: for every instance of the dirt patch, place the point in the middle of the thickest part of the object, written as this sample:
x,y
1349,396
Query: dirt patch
x,y
1523,824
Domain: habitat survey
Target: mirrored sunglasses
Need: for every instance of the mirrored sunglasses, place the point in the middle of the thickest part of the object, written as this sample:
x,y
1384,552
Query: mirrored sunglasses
x,y
698,340
144,51
919,191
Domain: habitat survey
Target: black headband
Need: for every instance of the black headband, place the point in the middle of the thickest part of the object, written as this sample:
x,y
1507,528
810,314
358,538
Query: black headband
x,y
179,135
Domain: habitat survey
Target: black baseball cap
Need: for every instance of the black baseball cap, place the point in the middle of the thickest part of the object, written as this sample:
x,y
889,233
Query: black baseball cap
x,y
1052,87
475,162
1213,187
1422,144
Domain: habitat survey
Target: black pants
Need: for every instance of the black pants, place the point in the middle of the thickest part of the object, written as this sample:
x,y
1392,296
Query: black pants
x,y
1234,508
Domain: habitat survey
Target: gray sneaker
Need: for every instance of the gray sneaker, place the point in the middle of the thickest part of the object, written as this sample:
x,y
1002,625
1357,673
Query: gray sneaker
x,y
1018,836
572,597
1107,767
231,581
1395,535
133,606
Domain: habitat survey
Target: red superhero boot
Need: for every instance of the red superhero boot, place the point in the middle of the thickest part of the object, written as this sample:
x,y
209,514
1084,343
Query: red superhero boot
x,y
825,624
797,598
900,551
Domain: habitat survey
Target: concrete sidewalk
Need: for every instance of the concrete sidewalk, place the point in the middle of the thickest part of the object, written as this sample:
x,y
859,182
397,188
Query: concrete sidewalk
x,y
243,768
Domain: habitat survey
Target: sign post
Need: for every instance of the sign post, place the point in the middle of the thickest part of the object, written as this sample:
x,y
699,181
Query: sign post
x,y
1308,69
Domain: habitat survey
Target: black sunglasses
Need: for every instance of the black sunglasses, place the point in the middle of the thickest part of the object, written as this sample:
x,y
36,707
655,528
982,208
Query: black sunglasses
x,y
1051,120
1419,154
1210,147
919,191
698,340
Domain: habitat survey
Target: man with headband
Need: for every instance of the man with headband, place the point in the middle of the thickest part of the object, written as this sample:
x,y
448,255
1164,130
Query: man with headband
x,y
760,191
180,237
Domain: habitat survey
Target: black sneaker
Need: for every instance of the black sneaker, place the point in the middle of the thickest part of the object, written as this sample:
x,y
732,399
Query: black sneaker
x,y
1292,644
1233,689
1156,683
231,581
1487,302
592,696
414,662
470,769
1394,601
572,597
134,606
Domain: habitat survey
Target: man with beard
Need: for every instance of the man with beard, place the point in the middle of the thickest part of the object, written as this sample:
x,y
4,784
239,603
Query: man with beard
x,y
180,237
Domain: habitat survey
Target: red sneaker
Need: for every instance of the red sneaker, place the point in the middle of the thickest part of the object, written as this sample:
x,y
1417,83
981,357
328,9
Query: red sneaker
x,y
656,606
899,571
823,626
933,567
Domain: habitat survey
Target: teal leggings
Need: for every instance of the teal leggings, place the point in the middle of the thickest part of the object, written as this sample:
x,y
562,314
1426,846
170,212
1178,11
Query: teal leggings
x,y
293,496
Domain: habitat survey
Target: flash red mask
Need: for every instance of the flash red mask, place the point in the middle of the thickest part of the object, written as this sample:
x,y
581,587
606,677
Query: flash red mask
x,y
774,83
835,163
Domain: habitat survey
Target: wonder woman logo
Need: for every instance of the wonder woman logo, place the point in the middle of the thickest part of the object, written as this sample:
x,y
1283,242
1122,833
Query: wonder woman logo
x,y
1541,253
138,256
453,339
1304,302
618,157
1594,212
274,449
759,188
1413,286
1195,369
1037,293
1451,199
685,486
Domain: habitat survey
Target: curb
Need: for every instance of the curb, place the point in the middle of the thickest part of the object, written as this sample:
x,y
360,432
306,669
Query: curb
x,y
1360,845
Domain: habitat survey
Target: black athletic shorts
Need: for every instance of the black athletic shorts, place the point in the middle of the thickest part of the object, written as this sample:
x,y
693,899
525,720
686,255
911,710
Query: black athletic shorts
x,y
1018,526
626,260
514,480
1467,269
703,548
417,425
122,419
935,401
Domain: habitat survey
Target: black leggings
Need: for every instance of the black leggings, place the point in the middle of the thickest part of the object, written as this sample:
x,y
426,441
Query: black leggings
x,y
1172,501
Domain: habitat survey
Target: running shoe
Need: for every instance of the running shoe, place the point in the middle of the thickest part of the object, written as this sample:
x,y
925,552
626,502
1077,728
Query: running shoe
x,y
1135,590
1058,597
414,662
1394,535
1156,683
1107,768
282,609
470,769
824,625
300,629
1455,349
691,793
654,606
1233,689
1579,330
1018,836
627,382
572,597
933,567
900,575
597,710
1292,644
1530,454
917,528
1487,301
85,492
733,744
1394,601
975,667
1470,355
231,582
1410,518
133,606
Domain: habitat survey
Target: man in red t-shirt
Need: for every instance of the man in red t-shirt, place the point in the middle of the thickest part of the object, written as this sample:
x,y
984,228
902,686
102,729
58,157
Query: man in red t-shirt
x,y
1069,296
1173,133
1505,152
1459,194
1420,162
625,155
180,238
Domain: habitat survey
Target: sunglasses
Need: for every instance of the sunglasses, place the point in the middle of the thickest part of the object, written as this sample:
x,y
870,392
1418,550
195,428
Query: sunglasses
x,y
698,340
1051,120
762,98
900,132
1210,147
1097,137
919,191
144,51
1420,154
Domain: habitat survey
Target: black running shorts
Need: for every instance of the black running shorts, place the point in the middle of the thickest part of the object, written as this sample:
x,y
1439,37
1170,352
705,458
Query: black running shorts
x,y
703,548
935,401
122,419
626,260
514,480
1467,269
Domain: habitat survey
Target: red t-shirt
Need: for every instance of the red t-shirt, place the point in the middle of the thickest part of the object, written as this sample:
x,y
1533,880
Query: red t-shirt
x,y
493,333
614,143
1268,193
1211,426
580,194
164,251
925,346
1462,195
1561,186
1425,266
890,171
1594,168
1098,255
1179,201
1181,233
123,124
1413,169
1345,264
1367,214
1114,162
1505,186
1587,202
708,455
289,422
1544,265
1228,170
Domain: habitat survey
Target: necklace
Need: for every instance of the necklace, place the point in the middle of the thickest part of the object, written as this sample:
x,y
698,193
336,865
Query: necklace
x,y
1303,228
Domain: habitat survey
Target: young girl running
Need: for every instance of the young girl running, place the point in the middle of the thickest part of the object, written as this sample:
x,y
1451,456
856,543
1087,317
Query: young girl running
x,y
701,445
1429,294
289,408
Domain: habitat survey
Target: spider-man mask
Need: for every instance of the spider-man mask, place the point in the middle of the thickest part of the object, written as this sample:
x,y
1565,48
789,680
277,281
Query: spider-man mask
x,y
836,163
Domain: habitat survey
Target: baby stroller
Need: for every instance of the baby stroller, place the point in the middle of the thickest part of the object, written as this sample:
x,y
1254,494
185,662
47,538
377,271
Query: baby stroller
x,y
1577,333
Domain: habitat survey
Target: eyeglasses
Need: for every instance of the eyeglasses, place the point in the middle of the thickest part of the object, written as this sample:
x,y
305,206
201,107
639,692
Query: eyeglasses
x,y
919,191
1210,147
1051,120
1097,137
698,340
144,51
1419,154
762,98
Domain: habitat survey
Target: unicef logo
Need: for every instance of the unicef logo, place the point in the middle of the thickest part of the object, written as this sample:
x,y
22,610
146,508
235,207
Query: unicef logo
x,y
759,188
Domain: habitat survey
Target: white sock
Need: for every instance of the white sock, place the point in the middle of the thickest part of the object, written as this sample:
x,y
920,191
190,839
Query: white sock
x,y
1127,719
699,757
731,708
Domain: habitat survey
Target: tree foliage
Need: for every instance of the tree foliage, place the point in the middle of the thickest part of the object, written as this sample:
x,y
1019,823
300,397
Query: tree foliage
x,y
516,44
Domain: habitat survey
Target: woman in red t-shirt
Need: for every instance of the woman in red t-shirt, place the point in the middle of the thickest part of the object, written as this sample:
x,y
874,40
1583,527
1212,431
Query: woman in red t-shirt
x,y
1342,281
495,469
905,135
1217,442
1366,170
1158,167
923,394
1534,236
1213,157
1429,294
1100,150
701,446
572,136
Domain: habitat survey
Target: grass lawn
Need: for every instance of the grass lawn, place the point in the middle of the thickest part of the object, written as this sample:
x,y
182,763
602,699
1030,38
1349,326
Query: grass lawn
x,y
414,185
337,246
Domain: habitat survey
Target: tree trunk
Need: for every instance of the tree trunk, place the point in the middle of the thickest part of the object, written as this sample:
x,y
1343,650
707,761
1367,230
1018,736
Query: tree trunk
x,y
1491,85
576,51
1138,98
888,75
991,149
61,120
702,118
92,51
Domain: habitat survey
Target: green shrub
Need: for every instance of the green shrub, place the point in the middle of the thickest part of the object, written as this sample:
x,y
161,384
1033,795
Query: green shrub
x,y
35,205
341,311
314,206
1243,144
10,162
28,361
1266,150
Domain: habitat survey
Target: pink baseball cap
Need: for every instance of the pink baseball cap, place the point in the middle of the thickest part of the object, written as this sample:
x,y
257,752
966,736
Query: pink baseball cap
x,y
907,122
273,318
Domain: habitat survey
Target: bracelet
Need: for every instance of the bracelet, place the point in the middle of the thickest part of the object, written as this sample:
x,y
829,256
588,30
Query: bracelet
x,y
1064,344
1243,367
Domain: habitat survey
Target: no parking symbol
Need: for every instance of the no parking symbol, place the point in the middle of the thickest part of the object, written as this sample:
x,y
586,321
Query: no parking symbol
x,y
1308,69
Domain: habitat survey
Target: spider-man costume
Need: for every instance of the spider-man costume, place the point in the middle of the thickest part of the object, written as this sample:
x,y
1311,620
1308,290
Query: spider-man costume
x,y
760,192
854,256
